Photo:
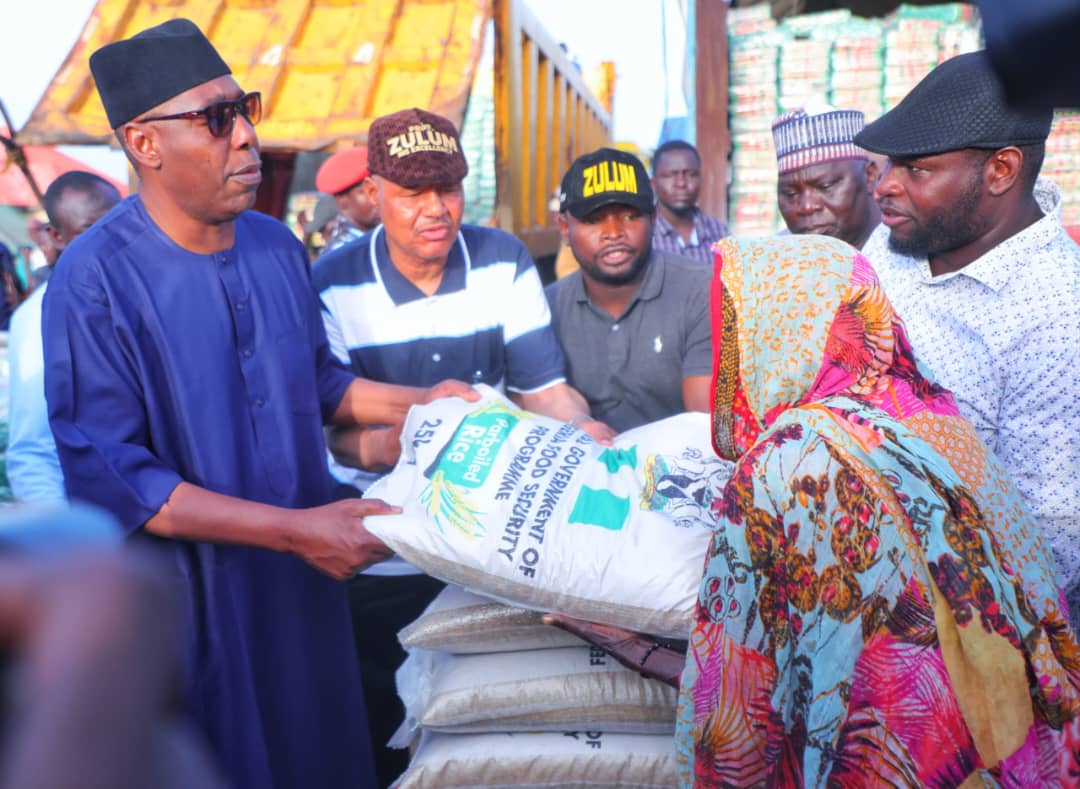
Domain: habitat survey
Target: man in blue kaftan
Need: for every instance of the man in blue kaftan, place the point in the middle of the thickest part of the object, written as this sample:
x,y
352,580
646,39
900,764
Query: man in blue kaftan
x,y
188,378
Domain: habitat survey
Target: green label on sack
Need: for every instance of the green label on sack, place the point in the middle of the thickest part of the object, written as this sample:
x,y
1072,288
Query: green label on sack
x,y
463,465
468,458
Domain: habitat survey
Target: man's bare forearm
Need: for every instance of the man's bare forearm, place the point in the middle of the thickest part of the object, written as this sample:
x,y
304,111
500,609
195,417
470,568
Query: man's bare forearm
x,y
201,515
368,448
373,403
331,537
558,401
562,401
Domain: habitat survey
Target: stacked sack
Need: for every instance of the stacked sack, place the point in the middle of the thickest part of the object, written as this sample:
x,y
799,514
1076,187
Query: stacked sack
x,y
478,144
514,702
806,59
911,52
921,37
856,67
532,514
1062,163
753,71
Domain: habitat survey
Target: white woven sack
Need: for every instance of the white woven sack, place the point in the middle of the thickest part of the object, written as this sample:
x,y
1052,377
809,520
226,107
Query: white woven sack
x,y
462,622
533,512
540,690
570,760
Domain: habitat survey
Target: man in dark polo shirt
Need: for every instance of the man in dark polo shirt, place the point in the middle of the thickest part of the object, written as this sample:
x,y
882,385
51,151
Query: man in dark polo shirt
x,y
633,322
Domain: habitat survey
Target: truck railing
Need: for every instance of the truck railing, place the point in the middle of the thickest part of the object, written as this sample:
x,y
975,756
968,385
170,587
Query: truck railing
x,y
545,117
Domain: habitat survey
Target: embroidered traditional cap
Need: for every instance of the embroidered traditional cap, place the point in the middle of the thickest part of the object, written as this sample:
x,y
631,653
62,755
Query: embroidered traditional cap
x,y
416,148
605,177
804,138
342,171
139,73
960,104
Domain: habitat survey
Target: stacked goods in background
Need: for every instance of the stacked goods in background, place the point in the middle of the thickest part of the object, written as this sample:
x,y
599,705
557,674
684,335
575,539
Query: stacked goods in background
x,y
753,102
478,144
804,58
911,52
853,63
1062,164
917,38
857,64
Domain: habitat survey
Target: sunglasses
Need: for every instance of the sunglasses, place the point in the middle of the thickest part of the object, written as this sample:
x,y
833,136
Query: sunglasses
x,y
220,116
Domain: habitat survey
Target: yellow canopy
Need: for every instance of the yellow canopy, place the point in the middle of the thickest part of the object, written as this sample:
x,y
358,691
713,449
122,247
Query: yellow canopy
x,y
326,68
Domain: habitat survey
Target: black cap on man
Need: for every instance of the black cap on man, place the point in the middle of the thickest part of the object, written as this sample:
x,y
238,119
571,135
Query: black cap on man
x,y
139,73
962,163
960,104
607,208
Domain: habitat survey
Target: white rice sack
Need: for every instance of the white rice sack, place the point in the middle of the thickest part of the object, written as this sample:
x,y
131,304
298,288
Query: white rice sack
x,y
543,690
533,512
567,760
461,622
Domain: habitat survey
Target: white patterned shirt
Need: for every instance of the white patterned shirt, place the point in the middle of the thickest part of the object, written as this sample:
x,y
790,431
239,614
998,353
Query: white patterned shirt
x,y
1003,333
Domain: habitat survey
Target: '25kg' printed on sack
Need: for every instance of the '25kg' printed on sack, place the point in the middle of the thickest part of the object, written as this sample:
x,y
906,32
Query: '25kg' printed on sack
x,y
532,511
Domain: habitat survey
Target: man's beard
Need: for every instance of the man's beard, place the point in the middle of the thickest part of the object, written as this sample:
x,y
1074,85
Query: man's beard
x,y
945,230
622,278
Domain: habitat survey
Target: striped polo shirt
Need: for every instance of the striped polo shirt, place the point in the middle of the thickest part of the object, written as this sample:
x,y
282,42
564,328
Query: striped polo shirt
x,y
488,322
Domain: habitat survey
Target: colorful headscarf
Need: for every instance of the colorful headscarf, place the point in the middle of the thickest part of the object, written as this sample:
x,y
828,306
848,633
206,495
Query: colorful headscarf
x,y
877,605
797,319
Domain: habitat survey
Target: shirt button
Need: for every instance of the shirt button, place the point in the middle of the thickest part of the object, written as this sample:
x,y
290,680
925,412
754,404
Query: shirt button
x,y
260,402
436,357
247,353
239,306
615,327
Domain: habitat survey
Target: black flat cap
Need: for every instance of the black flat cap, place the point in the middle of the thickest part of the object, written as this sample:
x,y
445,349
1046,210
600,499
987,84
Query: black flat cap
x,y
960,104
139,73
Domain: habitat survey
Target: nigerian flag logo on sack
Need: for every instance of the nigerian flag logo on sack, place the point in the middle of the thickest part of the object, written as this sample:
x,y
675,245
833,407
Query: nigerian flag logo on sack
x,y
464,464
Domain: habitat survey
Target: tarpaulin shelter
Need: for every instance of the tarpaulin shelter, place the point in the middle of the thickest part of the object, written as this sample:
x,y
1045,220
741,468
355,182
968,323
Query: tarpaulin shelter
x,y
327,68
45,164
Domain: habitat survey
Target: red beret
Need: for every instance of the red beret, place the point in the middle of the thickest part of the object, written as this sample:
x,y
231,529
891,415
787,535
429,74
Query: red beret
x,y
344,170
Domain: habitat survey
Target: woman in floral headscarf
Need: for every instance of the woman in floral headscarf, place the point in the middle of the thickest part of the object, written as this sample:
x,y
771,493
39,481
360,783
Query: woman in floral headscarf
x,y
877,607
